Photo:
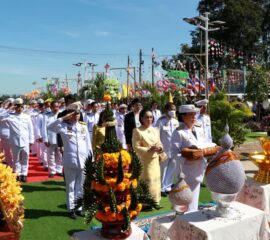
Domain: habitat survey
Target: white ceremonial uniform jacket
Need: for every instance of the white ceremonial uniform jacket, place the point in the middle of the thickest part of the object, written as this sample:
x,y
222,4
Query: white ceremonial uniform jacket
x,y
4,128
205,122
76,140
156,114
183,137
47,135
120,129
20,127
91,119
166,127
34,115
38,125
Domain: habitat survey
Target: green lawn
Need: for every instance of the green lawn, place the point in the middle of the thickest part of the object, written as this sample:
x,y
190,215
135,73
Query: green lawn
x,y
46,215
254,136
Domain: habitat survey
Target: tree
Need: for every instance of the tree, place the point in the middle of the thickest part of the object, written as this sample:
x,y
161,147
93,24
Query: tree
x,y
244,19
95,89
233,113
257,88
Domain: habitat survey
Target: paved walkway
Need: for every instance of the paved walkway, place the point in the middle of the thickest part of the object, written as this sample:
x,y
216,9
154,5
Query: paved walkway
x,y
243,151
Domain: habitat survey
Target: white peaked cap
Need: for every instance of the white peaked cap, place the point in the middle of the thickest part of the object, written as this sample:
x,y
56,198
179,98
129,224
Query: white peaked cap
x,y
123,106
18,101
76,106
188,108
89,101
10,100
33,101
201,103
40,101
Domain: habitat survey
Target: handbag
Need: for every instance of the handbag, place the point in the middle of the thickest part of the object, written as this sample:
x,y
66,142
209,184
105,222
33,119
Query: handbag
x,y
162,156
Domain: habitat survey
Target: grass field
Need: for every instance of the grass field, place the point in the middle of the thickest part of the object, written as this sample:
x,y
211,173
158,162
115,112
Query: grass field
x,y
46,215
254,136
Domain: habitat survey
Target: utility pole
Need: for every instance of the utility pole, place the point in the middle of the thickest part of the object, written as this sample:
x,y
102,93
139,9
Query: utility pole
x,y
140,67
78,83
128,76
134,71
206,53
93,70
197,22
66,81
153,61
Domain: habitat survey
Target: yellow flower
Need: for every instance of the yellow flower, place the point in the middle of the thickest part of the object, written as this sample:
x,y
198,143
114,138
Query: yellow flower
x,y
11,198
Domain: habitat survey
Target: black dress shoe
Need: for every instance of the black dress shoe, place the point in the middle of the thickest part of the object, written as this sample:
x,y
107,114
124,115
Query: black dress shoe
x,y
60,174
146,208
46,169
23,178
18,178
164,194
72,215
51,175
79,213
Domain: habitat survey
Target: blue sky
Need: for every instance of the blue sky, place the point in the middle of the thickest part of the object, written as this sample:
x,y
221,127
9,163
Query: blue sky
x,y
71,31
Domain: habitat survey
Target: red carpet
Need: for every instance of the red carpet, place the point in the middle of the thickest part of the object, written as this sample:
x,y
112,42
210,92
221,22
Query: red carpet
x,y
36,172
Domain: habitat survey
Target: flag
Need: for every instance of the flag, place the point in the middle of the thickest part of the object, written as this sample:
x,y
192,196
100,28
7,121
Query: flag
x,y
213,85
119,96
124,90
191,85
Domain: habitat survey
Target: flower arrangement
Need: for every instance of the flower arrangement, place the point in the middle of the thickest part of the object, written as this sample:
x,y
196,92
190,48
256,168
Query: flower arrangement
x,y
11,199
113,193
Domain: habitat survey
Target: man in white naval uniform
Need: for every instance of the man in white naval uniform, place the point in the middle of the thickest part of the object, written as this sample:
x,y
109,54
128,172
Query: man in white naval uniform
x,y
42,149
156,112
167,123
21,137
204,119
50,140
91,118
77,147
120,129
189,135
33,112
4,133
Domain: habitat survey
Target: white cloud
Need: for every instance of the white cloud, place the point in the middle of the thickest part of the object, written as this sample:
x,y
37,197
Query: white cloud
x,y
101,33
71,34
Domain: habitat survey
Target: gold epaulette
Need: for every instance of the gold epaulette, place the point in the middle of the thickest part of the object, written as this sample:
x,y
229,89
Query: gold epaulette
x,y
197,124
83,123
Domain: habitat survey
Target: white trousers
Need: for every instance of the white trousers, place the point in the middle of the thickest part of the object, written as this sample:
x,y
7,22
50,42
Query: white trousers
x,y
42,154
34,148
54,159
21,159
7,152
168,170
74,178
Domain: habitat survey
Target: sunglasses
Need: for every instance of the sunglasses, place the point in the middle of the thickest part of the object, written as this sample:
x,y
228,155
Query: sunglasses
x,y
19,106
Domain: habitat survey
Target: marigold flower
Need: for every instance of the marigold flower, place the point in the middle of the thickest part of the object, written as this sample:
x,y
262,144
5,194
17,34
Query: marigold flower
x,y
107,98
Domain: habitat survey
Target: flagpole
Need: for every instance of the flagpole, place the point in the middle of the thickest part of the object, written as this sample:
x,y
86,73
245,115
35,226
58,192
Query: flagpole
x,y
153,59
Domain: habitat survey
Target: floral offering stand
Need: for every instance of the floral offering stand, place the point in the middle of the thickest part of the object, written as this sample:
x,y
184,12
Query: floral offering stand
x,y
112,192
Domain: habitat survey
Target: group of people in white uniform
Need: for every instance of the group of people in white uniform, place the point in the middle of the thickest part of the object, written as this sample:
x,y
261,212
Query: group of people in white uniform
x,y
36,129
